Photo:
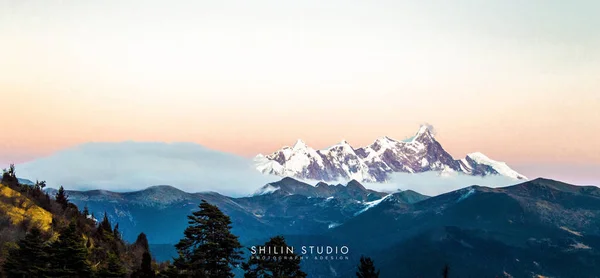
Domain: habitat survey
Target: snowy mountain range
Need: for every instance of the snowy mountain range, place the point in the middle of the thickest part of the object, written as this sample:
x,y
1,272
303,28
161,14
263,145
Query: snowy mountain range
x,y
374,163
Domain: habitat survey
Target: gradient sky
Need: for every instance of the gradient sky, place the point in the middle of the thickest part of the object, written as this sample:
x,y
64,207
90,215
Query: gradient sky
x,y
516,80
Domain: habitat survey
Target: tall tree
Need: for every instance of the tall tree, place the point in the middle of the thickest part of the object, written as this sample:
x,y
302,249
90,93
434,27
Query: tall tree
x,y
145,270
142,242
30,258
114,267
116,232
279,262
86,211
9,177
208,248
105,227
61,197
39,185
366,268
69,255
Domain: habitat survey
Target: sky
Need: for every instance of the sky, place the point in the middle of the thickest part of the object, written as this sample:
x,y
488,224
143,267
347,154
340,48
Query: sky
x,y
516,80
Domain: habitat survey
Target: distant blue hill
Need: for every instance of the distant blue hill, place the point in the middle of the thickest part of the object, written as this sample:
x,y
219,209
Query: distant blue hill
x,y
539,227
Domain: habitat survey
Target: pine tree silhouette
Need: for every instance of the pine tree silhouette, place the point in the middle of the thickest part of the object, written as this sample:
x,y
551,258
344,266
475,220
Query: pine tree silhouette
x,y
62,198
209,249
366,268
69,254
85,211
113,268
9,177
145,270
105,227
142,241
282,265
30,258
116,232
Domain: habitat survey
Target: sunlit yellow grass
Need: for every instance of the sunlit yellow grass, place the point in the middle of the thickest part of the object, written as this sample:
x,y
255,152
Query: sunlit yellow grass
x,y
27,210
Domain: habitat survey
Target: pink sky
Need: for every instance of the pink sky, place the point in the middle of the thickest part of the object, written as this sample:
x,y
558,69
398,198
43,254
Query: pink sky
x,y
524,90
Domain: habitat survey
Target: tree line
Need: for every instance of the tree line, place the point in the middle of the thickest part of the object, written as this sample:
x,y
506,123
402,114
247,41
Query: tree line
x,y
78,245
75,245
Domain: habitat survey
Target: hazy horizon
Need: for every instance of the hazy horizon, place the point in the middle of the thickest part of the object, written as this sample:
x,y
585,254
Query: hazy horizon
x,y
515,80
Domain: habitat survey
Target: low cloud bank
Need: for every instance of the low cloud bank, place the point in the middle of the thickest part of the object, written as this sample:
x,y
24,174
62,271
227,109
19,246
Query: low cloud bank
x,y
434,183
430,183
129,166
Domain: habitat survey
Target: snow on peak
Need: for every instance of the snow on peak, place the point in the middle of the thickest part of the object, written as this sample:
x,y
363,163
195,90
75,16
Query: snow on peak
x,y
344,145
386,142
299,145
375,162
267,189
479,156
499,166
466,193
424,130
369,205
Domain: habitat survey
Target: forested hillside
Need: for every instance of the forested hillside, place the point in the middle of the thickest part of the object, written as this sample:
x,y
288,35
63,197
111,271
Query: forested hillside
x,y
47,236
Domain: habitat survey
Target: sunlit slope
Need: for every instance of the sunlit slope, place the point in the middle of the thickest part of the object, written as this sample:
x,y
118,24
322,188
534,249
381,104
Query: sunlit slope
x,y
20,208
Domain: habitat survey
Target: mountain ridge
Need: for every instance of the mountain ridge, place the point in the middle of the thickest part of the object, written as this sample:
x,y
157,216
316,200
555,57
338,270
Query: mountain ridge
x,y
375,162
520,221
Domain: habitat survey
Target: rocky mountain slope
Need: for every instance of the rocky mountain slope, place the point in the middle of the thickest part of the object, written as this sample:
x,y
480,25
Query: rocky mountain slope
x,y
539,227
374,163
284,207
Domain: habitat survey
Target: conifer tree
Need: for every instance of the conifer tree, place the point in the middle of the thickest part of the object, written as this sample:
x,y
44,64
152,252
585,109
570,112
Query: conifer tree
x,y
9,177
145,270
62,198
142,242
366,269
170,271
209,249
69,256
105,226
30,258
113,268
116,232
278,265
39,185
85,211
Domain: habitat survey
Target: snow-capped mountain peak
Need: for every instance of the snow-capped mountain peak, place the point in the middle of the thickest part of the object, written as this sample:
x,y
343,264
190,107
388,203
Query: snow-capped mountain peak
x,y
385,142
373,163
300,145
341,145
499,166
423,135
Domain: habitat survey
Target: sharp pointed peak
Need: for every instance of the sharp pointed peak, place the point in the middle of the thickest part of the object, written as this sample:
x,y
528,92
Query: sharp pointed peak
x,y
299,144
425,133
425,129
355,183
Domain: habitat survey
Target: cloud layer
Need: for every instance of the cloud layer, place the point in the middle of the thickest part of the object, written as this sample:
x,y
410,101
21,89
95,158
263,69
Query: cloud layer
x,y
434,183
128,166
131,166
